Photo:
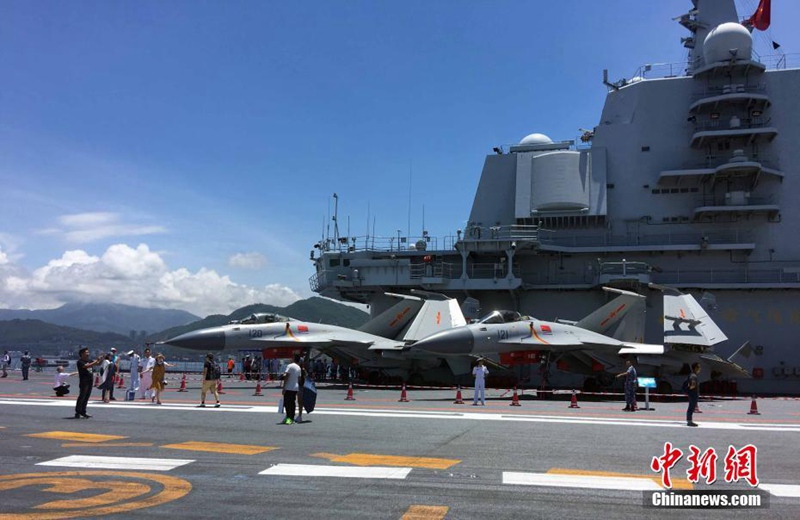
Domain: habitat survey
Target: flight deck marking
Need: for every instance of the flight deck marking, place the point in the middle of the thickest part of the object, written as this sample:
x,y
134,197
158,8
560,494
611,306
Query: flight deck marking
x,y
76,436
366,459
108,444
580,481
308,470
121,491
423,414
135,463
781,490
215,447
425,513
677,483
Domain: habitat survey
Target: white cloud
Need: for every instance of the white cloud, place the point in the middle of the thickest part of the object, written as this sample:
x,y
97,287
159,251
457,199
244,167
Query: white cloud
x,y
247,260
82,228
130,276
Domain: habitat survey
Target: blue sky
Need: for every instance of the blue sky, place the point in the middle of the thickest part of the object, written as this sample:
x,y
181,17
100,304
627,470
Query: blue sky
x,y
184,154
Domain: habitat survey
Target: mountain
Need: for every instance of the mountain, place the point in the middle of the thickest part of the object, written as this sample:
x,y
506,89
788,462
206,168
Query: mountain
x,y
105,317
314,309
38,336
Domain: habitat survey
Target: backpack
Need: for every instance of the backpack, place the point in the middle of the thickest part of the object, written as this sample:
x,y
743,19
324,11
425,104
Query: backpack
x,y
214,371
685,386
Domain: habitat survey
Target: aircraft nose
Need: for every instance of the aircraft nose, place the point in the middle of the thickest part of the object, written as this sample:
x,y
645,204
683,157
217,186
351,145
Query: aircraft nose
x,y
209,339
454,341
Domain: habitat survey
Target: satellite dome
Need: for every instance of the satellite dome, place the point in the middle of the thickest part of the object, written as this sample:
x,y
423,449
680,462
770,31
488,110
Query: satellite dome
x,y
536,139
726,41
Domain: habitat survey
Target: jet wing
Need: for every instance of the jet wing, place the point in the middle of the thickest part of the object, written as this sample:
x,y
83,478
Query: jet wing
x,y
727,368
686,322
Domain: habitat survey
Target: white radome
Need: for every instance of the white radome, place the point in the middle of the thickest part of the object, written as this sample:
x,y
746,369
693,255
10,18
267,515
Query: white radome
x,y
536,139
726,39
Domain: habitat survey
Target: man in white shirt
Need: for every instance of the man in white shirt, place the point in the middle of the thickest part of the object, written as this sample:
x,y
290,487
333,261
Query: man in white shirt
x,y
291,384
480,372
135,361
60,386
146,371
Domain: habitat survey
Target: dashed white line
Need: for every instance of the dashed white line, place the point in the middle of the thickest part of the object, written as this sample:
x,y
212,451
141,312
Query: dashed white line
x,y
580,481
131,463
313,470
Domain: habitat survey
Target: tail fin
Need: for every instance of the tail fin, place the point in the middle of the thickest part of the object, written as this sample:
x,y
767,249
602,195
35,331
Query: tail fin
x,y
435,316
391,322
610,314
686,322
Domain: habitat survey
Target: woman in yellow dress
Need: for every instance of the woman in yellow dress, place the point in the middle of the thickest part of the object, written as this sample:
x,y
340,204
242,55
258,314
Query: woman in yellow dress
x,y
159,371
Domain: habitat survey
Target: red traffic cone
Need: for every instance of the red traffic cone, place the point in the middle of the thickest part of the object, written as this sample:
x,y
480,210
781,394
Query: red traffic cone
x,y
97,380
515,398
458,400
120,385
753,407
403,395
574,401
219,386
183,384
350,396
258,389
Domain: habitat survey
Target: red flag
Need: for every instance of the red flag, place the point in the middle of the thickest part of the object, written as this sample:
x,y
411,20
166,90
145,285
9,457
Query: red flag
x,y
760,19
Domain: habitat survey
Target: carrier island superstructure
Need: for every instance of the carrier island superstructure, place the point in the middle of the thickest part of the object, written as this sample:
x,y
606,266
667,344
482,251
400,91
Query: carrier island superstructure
x,y
689,180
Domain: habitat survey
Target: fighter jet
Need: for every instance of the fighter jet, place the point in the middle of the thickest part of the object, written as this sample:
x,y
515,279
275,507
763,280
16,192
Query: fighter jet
x,y
508,331
593,345
379,345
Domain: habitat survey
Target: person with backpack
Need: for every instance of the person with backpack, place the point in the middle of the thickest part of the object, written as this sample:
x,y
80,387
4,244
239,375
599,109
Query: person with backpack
x,y
211,376
692,386
5,363
109,370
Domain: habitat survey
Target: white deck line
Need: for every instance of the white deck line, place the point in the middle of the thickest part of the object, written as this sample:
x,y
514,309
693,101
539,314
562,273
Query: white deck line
x,y
127,463
580,481
310,470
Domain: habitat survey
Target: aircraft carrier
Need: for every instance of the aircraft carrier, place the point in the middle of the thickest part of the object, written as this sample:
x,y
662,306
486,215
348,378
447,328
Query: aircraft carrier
x,y
686,181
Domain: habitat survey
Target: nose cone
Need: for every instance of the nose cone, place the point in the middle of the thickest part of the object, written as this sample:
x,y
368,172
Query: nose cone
x,y
458,340
204,339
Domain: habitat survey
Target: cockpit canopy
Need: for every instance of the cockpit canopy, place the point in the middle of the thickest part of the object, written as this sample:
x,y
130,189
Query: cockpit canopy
x,y
502,317
262,317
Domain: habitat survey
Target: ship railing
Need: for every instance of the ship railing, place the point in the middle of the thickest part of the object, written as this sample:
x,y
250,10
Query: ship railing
x,y
550,237
624,268
714,161
673,70
746,122
726,276
730,89
522,233
748,201
394,243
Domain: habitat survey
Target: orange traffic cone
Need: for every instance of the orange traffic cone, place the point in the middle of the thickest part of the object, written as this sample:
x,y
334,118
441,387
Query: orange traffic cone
x,y
574,401
350,396
219,386
258,389
403,395
120,385
97,380
515,398
458,396
183,384
753,407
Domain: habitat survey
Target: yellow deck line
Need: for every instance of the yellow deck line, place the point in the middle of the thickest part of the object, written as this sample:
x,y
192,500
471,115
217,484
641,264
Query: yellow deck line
x,y
366,459
677,483
112,444
425,513
216,447
76,436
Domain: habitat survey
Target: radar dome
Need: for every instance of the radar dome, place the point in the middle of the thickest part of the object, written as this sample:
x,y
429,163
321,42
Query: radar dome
x,y
726,41
536,139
